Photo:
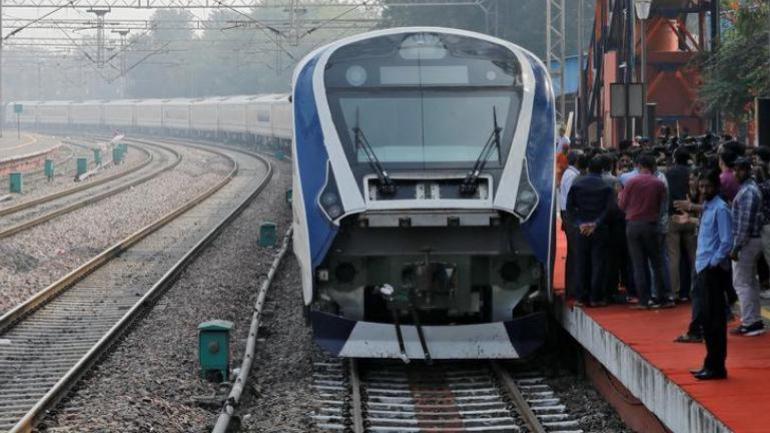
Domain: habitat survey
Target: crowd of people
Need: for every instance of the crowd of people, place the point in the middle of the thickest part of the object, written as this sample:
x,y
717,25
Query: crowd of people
x,y
656,223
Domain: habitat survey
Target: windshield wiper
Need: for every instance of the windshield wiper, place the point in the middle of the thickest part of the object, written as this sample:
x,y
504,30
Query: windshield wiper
x,y
386,185
471,182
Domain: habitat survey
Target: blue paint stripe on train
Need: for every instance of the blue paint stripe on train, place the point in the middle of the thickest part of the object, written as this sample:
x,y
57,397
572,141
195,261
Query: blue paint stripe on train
x,y
540,159
312,159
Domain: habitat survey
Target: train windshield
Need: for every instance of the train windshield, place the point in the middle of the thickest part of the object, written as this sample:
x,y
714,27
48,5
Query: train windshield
x,y
423,98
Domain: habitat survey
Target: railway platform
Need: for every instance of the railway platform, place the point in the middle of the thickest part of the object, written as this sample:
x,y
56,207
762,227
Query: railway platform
x,y
637,349
25,153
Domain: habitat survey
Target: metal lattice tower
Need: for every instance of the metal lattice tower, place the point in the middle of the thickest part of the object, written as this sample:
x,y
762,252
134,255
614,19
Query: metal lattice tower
x,y
555,50
123,82
100,13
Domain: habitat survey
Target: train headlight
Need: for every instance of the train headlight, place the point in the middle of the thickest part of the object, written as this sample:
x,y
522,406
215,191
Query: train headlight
x,y
526,196
329,200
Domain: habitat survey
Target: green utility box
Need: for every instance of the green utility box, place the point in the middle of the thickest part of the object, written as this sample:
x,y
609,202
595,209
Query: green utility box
x,y
116,156
98,156
279,155
214,348
289,194
16,183
82,166
267,237
49,169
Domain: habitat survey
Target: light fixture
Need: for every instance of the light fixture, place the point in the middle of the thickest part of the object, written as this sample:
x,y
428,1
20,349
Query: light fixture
x,y
642,8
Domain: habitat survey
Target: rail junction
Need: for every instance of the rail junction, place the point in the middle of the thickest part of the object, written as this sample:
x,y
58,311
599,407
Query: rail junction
x,y
53,338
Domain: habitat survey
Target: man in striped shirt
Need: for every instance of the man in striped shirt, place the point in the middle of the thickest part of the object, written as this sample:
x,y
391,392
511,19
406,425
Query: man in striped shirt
x,y
747,245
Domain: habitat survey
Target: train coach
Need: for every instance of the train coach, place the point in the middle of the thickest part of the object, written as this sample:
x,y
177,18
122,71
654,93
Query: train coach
x,y
247,118
424,203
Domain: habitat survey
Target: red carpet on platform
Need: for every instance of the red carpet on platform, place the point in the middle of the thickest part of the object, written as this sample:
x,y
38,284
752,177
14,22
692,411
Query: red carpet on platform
x,y
742,402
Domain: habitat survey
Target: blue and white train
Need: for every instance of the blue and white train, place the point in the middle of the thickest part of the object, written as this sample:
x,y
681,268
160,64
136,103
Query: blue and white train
x,y
424,203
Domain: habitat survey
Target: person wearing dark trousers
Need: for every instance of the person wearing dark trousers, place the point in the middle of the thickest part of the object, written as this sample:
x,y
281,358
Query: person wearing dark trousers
x,y
715,240
570,174
617,250
681,232
641,200
587,203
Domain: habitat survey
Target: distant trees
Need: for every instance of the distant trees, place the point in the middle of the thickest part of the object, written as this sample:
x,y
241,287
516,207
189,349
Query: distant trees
x,y
738,70
519,21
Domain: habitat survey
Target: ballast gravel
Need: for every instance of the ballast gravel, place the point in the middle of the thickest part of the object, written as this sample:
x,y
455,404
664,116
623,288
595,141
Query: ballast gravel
x,y
65,160
64,157
33,259
150,382
583,401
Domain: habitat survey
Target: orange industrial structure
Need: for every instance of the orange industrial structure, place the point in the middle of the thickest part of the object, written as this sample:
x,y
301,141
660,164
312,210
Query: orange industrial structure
x,y
676,31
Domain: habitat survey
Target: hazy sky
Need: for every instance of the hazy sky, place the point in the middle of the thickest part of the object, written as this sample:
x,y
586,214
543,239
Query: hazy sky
x,y
76,13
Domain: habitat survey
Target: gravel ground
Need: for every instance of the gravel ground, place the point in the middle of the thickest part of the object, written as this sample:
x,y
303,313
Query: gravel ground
x,y
36,185
150,381
281,383
35,258
583,402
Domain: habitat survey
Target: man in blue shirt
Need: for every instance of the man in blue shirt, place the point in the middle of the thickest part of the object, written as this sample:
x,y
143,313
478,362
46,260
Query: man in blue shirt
x,y
715,240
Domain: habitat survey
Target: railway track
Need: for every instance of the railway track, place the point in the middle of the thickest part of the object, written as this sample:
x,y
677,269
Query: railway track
x,y
48,342
31,213
387,397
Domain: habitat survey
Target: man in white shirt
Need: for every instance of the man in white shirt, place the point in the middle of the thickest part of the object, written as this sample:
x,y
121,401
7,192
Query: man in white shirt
x,y
562,140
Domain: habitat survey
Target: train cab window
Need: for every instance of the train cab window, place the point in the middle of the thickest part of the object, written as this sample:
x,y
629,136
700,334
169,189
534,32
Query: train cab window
x,y
423,99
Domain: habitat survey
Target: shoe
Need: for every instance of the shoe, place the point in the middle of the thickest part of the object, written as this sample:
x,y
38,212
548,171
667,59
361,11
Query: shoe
x,y
695,371
578,304
684,299
668,304
706,374
765,294
688,338
598,304
757,328
653,305
639,307
752,330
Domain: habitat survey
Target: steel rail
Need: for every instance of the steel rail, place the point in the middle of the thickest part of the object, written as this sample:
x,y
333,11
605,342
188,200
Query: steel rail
x,y
78,188
26,424
4,233
524,409
234,397
39,299
356,403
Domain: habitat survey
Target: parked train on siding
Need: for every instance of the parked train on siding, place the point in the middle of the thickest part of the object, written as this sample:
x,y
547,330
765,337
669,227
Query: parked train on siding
x,y
424,194
245,117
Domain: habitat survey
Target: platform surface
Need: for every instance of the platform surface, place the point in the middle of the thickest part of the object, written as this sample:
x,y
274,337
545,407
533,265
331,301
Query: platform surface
x,y
12,147
637,347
